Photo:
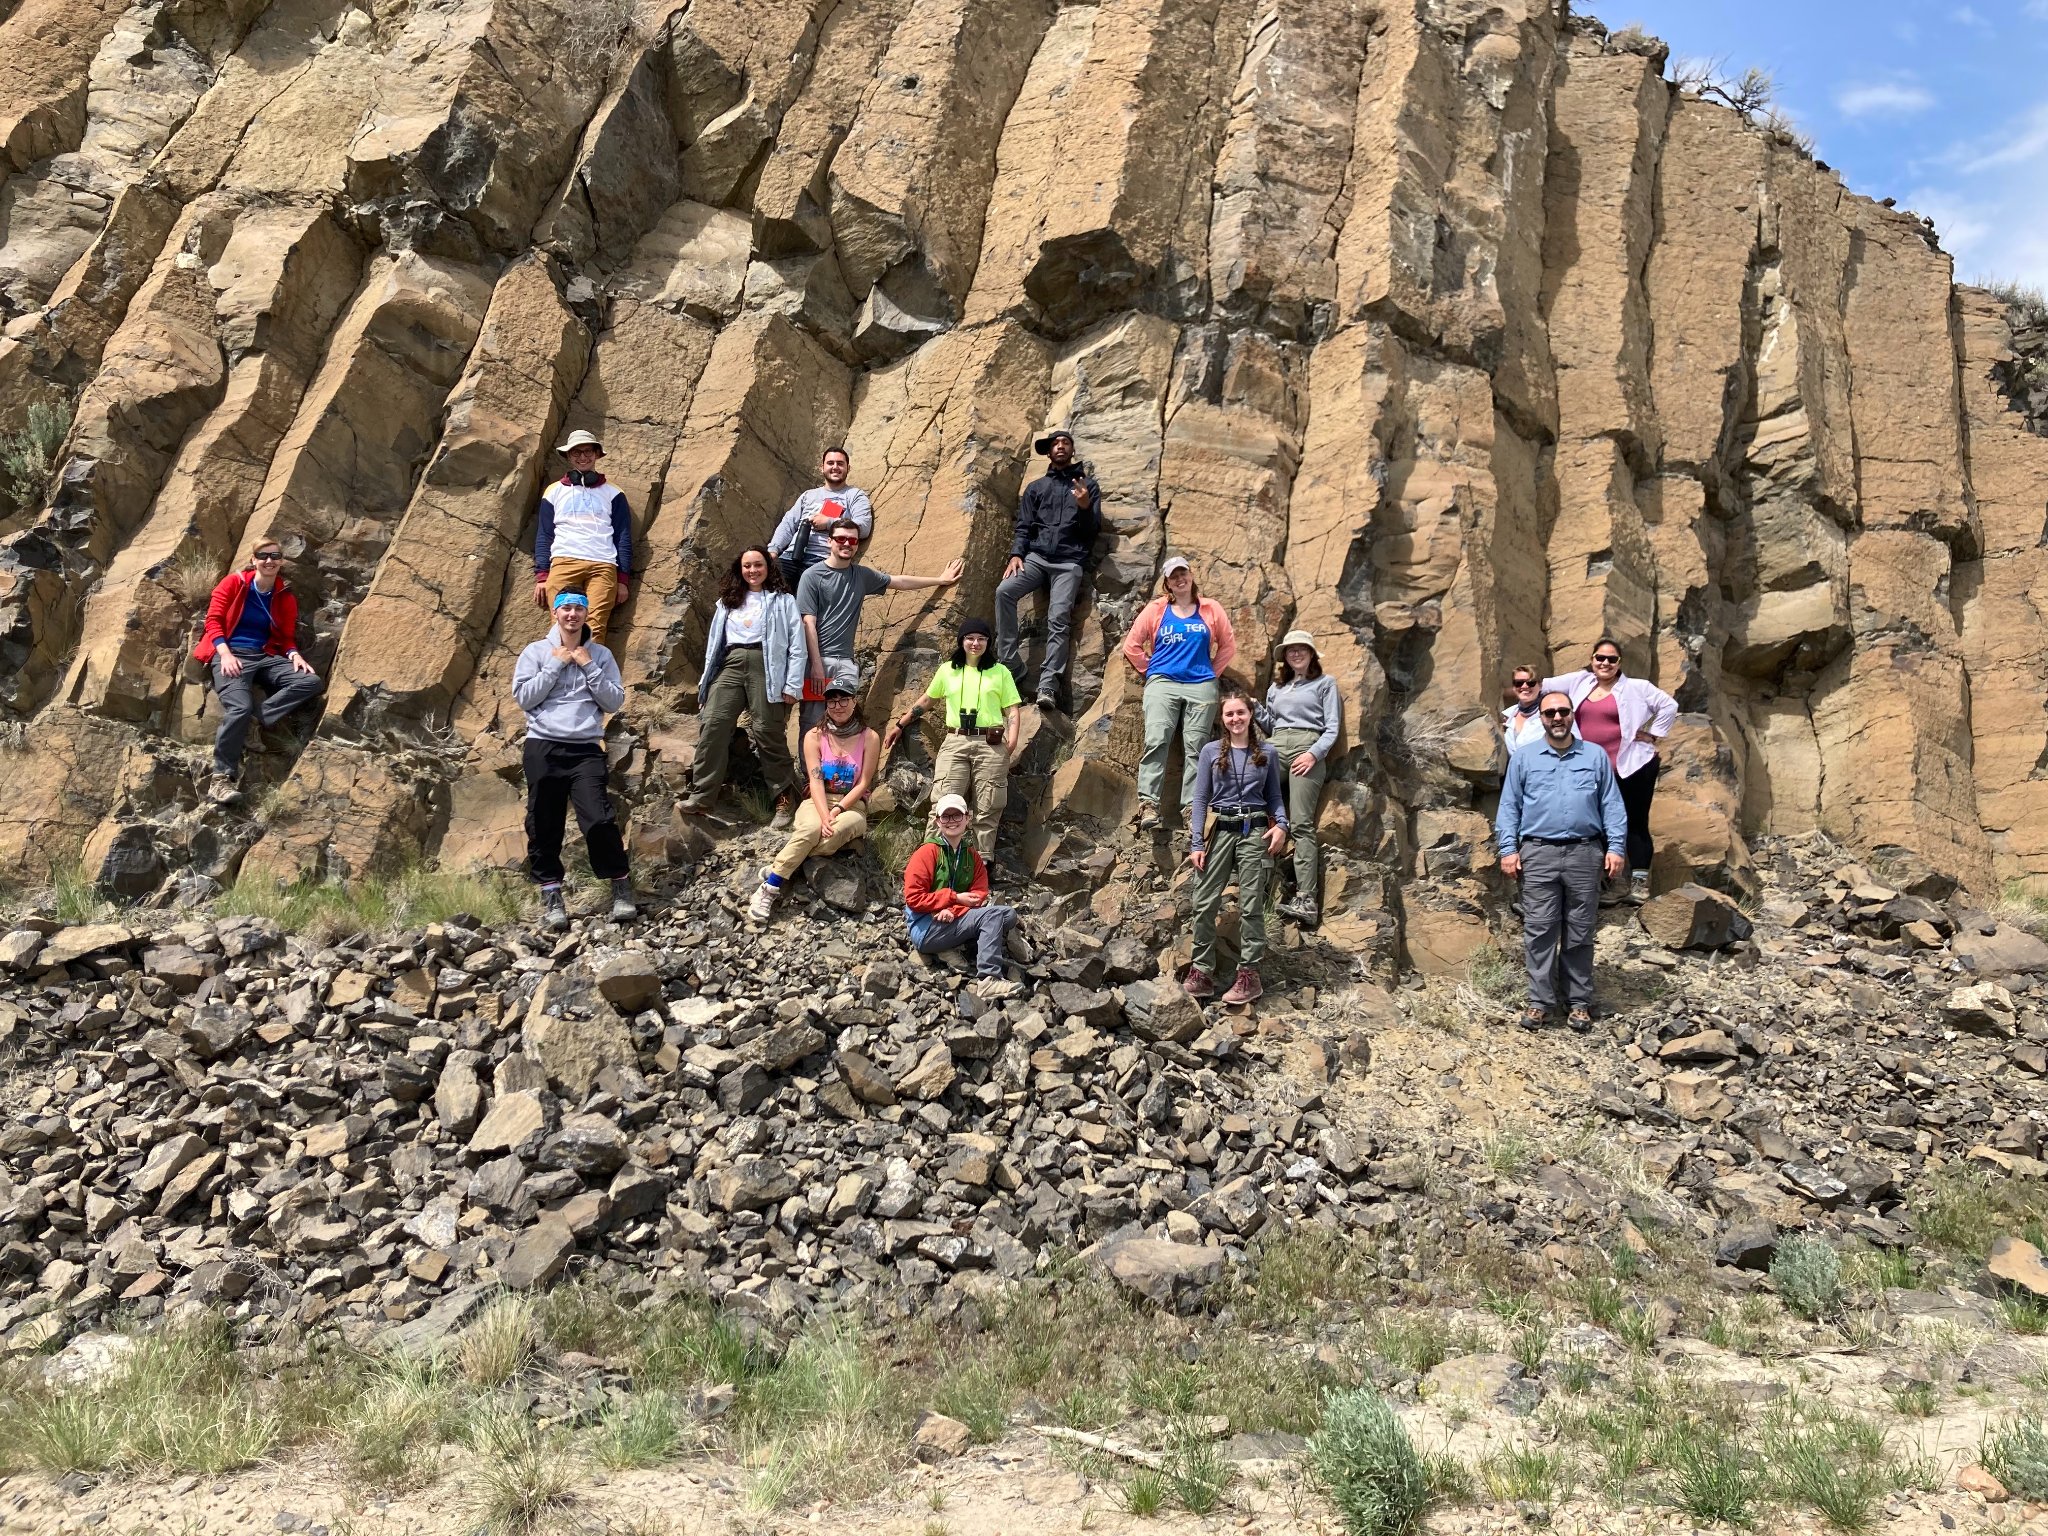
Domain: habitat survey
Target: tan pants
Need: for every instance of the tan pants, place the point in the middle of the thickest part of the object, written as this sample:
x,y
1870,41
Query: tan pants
x,y
978,773
807,836
597,580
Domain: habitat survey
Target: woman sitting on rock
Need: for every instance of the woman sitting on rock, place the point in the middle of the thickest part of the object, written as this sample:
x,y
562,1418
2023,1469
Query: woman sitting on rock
x,y
983,715
1301,717
1239,780
754,659
841,756
1179,644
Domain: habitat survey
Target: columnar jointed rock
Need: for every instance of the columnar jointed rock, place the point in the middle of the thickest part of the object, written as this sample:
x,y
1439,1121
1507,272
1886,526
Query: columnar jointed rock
x,y
1455,338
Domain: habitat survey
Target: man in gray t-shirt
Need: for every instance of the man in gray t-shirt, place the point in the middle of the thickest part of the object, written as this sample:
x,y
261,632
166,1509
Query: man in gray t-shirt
x,y
830,596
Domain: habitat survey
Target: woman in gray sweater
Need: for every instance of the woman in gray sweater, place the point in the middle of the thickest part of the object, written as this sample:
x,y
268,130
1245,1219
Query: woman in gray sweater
x,y
1240,781
1301,716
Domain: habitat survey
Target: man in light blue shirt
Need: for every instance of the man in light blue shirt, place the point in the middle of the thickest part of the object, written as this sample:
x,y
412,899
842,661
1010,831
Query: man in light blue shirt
x,y
1561,826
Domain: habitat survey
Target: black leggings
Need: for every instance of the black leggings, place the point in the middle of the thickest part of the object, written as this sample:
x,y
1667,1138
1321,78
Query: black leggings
x,y
561,774
1637,791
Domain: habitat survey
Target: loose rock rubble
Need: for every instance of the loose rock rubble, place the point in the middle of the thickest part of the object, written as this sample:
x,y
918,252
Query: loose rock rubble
x,y
377,1133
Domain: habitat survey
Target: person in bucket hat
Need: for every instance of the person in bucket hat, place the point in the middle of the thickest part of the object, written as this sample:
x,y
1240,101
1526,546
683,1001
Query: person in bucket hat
x,y
1301,717
585,539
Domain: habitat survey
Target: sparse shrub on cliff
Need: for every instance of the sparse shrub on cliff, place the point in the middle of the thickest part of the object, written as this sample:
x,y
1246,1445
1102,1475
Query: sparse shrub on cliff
x,y
28,458
193,576
594,33
2025,301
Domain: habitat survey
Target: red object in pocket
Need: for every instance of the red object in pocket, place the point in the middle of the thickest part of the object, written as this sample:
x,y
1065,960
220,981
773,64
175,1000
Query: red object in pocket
x,y
814,690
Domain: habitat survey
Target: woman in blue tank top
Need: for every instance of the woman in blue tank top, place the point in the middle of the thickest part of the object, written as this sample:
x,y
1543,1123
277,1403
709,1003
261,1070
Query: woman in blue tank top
x,y
840,758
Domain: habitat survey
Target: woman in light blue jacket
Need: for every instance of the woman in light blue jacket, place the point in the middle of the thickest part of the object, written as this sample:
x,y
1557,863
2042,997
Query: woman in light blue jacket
x,y
754,658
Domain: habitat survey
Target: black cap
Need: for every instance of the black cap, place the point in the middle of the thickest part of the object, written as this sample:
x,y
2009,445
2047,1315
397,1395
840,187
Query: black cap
x,y
1044,444
976,627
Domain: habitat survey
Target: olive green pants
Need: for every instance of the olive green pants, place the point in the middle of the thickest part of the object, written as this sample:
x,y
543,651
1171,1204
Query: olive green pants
x,y
1241,857
1304,798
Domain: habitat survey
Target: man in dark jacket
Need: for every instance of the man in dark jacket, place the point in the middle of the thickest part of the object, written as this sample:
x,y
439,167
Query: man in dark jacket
x,y
1057,520
251,637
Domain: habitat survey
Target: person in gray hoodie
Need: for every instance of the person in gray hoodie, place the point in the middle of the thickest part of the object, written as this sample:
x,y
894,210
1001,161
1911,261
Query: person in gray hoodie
x,y
567,684
1301,716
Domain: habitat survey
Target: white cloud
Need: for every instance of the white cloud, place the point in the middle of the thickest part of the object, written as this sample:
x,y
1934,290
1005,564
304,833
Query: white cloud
x,y
1884,99
1970,16
2038,9
2030,144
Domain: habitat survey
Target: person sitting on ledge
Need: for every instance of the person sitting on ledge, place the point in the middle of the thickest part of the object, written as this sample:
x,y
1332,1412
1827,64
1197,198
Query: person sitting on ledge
x,y
945,901
250,638
841,757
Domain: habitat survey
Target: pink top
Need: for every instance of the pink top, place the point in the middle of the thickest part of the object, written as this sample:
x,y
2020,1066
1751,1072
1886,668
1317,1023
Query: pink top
x,y
1600,723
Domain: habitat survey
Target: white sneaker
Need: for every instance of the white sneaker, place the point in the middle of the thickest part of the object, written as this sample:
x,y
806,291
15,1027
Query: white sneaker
x,y
991,989
762,907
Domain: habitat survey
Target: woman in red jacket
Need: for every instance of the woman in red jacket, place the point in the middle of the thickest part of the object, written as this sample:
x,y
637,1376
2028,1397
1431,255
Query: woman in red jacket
x,y
250,637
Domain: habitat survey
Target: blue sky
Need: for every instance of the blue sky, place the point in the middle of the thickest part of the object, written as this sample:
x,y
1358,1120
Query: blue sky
x,y
1941,105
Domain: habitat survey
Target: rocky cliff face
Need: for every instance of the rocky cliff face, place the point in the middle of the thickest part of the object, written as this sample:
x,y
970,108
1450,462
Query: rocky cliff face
x,y
1446,330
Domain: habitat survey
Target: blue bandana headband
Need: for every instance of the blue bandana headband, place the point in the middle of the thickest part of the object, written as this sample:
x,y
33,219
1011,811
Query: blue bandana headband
x,y
576,599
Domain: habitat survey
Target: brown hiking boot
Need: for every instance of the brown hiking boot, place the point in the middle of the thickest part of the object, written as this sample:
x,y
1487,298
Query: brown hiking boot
x,y
1245,988
1198,983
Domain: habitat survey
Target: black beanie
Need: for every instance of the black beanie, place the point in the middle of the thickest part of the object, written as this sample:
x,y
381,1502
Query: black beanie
x,y
976,627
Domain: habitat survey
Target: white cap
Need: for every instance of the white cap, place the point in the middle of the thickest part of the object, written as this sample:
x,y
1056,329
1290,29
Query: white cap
x,y
949,803
1173,563
580,439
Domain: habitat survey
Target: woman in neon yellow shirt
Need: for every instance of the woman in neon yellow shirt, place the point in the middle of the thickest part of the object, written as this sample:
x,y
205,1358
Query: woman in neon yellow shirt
x,y
983,715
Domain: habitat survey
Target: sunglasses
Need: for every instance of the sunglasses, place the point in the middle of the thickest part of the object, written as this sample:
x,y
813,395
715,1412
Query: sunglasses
x,y
1606,661
1525,682
845,538
271,554
1557,714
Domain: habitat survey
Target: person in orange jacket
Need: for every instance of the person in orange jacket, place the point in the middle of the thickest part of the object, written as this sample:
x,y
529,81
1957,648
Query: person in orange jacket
x,y
945,901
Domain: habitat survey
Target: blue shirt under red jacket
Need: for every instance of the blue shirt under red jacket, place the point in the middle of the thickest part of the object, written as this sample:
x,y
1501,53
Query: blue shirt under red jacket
x,y
224,613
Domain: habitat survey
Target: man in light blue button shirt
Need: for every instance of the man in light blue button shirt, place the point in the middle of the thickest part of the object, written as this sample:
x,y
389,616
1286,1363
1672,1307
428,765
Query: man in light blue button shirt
x,y
1561,826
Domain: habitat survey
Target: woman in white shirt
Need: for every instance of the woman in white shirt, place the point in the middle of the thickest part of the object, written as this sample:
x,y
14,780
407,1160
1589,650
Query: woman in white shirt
x,y
1625,717
1521,724
754,658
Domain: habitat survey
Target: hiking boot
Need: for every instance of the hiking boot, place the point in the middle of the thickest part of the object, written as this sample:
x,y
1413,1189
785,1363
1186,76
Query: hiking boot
x,y
221,789
554,912
785,812
1534,1017
1198,983
1301,909
1047,701
993,989
1639,886
762,907
624,907
1148,816
1245,989
694,805
1580,1019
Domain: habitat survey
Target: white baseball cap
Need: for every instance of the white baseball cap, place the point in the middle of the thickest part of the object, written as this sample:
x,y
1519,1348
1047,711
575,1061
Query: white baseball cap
x,y
949,803
1174,563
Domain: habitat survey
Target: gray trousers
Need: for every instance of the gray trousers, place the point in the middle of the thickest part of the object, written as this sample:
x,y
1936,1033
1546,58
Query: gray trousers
x,y
1560,909
1065,581
985,928
286,688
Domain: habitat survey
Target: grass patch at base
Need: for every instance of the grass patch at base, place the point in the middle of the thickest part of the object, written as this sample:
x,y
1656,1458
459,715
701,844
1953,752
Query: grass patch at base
x,y
328,911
